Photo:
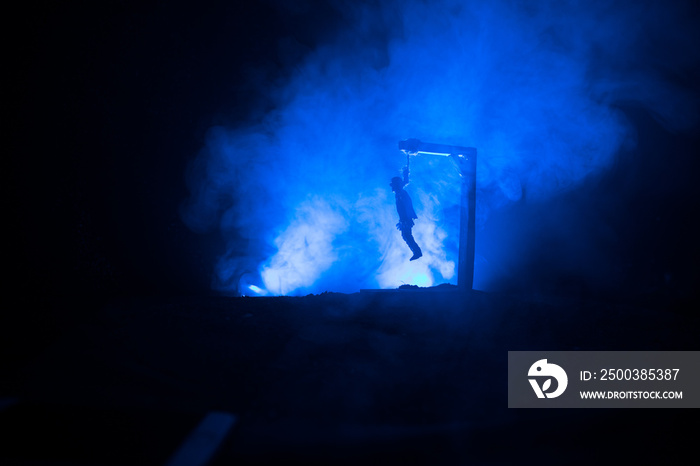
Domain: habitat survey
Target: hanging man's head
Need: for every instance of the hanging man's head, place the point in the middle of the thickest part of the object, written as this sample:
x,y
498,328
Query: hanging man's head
x,y
396,183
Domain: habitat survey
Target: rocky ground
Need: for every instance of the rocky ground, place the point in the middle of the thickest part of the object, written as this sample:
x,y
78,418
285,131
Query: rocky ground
x,y
393,377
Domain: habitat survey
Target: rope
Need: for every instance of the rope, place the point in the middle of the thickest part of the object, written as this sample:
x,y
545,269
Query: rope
x,y
405,169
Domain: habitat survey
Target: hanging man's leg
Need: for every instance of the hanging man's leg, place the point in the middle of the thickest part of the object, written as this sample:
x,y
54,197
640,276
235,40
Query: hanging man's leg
x,y
408,237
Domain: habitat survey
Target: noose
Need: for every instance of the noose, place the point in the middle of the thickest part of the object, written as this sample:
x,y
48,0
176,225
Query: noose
x,y
405,169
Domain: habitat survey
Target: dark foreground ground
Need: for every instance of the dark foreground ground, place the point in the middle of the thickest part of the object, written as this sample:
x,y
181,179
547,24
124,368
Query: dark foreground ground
x,y
404,377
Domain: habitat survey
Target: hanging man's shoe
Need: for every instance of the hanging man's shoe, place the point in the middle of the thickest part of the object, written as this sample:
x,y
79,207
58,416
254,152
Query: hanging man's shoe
x,y
417,255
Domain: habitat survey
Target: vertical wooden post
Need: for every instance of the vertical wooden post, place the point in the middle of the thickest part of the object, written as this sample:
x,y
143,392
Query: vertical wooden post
x,y
467,222
463,281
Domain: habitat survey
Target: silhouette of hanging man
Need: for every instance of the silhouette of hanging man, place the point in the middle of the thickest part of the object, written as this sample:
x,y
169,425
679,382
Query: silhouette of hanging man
x,y
404,206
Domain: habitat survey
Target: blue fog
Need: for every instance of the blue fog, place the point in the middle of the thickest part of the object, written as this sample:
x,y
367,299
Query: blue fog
x,y
301,193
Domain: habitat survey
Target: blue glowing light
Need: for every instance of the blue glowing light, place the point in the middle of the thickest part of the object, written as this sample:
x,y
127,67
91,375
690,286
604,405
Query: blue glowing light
x,y
256,289
301,195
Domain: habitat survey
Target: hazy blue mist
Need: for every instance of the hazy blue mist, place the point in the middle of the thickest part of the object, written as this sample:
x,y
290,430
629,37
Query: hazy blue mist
x,y
301,195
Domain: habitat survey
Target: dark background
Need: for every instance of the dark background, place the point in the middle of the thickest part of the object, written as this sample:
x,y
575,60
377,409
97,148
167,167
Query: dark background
x,y
108,102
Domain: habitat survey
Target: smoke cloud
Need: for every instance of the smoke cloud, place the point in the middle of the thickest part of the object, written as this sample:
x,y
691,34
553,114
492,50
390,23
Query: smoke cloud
x,y
301,194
